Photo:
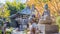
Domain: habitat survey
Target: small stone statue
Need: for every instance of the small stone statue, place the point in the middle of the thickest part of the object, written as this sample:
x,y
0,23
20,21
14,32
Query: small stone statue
x,y
33,7
46,19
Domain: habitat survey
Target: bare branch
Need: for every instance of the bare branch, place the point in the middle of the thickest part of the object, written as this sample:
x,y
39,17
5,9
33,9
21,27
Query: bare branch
x,y
53,6
57,5
40,3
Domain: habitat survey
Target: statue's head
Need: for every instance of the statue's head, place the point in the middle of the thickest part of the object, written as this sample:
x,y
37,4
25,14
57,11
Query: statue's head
x,y
28,6
46,6
33,5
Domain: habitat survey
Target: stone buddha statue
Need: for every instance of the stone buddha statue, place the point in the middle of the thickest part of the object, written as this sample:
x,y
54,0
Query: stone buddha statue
x,y
45,18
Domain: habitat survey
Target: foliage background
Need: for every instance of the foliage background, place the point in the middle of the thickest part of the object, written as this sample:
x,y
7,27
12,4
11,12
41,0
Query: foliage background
x,y
13,7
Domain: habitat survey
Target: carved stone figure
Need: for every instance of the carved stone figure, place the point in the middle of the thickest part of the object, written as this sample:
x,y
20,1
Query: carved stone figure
x,y
45,18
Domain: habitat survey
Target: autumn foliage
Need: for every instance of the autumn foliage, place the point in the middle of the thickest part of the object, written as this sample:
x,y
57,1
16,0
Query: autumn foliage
x,y
54,6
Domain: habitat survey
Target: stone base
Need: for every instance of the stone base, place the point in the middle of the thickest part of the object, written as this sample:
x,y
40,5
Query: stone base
x,y
52,33
49,33
48,28
45,20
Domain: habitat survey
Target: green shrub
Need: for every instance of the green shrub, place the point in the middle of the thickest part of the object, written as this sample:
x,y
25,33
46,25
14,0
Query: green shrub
x,y
8,32
58,22
0,31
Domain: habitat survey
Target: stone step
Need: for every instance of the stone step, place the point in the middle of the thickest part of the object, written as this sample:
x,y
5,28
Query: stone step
x,y
49,28
48,33
52,33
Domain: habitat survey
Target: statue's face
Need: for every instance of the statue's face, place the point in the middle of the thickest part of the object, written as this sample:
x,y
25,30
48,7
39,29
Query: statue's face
x,y
28,6
46,6
33,6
